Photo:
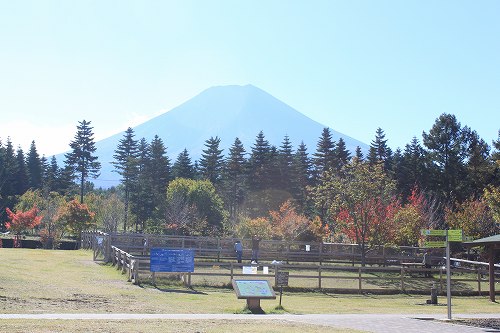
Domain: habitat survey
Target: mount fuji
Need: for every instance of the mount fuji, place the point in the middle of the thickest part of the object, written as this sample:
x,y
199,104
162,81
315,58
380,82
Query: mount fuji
x,y
228,112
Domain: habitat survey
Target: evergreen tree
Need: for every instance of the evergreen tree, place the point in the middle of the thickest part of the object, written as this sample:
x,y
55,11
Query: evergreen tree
x,y
234,178
379,151
126,165
302,174
9,169
495,157
141,200
35,167
158,171
447,147
183,167
81,161
21,175
274,170
412,170
324,158
359,154
480,169
212,161
50,175
286,158
259,164
342,155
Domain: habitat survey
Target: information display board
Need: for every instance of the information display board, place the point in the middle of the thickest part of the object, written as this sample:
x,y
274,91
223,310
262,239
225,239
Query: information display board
x,y
282,279
253,289
171,260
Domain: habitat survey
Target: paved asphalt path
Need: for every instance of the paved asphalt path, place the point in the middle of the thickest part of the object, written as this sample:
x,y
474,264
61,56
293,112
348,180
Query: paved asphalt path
x,y
383,323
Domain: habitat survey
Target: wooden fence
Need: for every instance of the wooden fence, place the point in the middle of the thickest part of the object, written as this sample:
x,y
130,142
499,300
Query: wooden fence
x,y
324,277
221,249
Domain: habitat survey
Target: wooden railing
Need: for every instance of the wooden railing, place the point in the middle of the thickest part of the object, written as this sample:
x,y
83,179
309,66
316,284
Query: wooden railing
x,y
222,249
393,279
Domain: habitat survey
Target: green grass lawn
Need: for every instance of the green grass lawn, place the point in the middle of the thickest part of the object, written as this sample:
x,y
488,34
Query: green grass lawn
x,y
47,281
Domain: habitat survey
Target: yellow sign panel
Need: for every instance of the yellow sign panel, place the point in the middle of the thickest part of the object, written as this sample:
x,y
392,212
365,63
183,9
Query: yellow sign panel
x,y
435,244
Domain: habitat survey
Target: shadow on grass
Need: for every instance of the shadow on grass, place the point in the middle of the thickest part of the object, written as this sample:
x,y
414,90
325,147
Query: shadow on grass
x,y
416,284
180,291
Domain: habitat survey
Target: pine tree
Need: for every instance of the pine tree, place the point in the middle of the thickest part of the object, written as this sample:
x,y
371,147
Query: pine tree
x,y
183,167
159,171
51,176
342,155
141,200
81,161
212,161
412,169
259,164
447,147
126,165
35,168
302,174
324,157
8,171
21,176
234,179
379,151
359,154
480,168
286,158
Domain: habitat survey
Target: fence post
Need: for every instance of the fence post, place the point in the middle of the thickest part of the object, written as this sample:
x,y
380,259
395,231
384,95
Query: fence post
x,y
319,277
479,281
276,269
232,272
403,279
359,278
218,249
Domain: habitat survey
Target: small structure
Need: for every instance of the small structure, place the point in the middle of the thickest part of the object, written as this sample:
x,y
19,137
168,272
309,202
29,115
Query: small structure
x,y
253,291
492,245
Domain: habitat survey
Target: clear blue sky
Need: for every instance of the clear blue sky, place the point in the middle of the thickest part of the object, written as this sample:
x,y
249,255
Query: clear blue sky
x,y
351,65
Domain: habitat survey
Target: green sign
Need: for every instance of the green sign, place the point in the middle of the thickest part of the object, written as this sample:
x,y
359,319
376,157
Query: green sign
x,y
455,235
431,232
253,289
435,244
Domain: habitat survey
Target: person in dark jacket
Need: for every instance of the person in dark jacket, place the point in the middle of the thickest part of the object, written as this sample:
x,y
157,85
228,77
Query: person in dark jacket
x,y
238,248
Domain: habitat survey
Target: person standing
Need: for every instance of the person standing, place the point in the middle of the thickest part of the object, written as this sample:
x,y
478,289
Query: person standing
x,y
427,261
238,248
255,249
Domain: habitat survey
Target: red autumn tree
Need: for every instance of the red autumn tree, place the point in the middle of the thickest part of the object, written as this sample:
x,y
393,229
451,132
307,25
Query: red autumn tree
x,y
76,217
22,221
371,222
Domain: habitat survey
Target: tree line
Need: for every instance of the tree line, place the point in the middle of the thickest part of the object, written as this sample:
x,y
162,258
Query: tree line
x,y
449,178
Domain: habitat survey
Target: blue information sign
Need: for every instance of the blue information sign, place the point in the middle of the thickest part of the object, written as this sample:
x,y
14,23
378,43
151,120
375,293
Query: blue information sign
x,y
171,260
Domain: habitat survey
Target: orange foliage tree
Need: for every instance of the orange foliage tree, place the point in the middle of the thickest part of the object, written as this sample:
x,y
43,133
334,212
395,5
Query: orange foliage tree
x,y
76,217
22,221
288,225
417,214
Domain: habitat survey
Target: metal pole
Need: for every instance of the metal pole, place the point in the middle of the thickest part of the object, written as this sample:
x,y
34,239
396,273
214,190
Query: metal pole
x,y
448,276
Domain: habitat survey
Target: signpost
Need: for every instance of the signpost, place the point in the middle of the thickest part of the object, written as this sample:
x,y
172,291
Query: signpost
x,y
455,235
282,280
253,291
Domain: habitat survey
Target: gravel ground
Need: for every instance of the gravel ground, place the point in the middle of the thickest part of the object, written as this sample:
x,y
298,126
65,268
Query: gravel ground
x,y
493,323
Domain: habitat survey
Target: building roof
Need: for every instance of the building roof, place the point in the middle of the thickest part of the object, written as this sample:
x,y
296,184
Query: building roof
x,y
492,240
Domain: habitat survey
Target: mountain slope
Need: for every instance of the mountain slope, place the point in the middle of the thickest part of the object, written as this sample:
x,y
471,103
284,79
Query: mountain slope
x,y
227,112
